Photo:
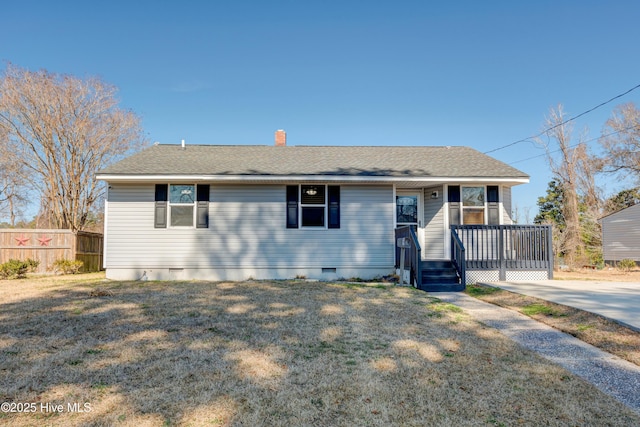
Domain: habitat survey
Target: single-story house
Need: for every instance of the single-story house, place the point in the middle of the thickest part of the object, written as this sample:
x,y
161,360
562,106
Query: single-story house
x,y
621,235
223,212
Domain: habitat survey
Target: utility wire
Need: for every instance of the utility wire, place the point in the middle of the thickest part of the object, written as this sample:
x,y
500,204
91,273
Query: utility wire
x,y
576,144
564,122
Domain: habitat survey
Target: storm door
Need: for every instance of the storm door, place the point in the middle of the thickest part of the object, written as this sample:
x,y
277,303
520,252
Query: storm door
x,y
408,209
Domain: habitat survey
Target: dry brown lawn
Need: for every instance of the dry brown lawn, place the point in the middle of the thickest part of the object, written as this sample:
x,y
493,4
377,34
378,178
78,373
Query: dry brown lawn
x,y
271,353
606,274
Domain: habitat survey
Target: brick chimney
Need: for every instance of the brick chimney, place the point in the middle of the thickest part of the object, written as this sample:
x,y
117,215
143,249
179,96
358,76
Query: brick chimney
x,y
281,138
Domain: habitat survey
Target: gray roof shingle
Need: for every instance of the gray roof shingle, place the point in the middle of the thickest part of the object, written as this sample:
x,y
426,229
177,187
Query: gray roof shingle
x,y
364,161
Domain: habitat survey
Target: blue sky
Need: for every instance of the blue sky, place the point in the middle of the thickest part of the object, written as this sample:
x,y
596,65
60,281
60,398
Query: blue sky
x,y
480,74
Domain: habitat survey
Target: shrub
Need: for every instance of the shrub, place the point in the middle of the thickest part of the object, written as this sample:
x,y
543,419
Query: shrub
x,y
67,266
32,264
626,264
17,269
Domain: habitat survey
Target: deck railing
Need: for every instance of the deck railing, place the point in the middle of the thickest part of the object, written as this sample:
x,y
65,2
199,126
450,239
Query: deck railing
x,y
506,247
412,256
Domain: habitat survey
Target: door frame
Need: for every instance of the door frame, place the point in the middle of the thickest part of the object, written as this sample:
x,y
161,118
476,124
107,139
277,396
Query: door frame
x,y
419,192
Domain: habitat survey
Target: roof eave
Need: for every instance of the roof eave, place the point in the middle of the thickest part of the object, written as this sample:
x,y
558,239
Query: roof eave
x,y
289,178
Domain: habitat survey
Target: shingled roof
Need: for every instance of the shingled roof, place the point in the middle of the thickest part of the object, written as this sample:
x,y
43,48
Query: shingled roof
x,y
300,161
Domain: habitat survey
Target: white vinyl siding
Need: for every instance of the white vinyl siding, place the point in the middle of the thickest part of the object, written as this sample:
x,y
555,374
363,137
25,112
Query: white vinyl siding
x,y
433,244
247,228
506,205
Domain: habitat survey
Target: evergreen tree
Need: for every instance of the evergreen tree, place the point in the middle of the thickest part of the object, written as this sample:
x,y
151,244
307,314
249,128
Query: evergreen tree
x,y
550,206
622,200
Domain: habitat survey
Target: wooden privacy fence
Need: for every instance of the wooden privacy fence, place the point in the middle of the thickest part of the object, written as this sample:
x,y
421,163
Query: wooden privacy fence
x,y
48,246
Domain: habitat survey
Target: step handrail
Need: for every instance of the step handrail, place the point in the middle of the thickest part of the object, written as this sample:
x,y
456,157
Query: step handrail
x,y
413,256
458,256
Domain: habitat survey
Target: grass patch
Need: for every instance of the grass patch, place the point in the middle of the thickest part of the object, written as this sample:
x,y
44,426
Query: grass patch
x,y
355,284
478,291
445,306
539,308
589,327
273,353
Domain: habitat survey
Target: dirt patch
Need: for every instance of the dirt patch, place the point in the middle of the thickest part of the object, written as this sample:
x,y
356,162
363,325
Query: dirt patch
x,y
589,327
270,353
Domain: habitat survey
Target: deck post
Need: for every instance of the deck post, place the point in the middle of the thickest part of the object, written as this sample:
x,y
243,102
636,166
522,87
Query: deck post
x,y
550,255
402,250
502,274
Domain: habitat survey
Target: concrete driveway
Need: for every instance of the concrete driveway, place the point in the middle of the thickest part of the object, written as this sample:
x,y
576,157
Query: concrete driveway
x,y
619,301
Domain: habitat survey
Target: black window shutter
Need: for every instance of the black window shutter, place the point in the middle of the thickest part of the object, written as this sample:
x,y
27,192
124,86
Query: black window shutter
x,y
454,204
292,206
334,206
493,206
202,209
160,216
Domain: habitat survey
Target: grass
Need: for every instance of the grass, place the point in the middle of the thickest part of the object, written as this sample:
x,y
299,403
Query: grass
x,y
272,353
539,308
591,328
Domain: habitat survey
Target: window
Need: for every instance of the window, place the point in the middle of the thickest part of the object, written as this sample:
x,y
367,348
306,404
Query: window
x,y
407,209
473,205
181,205
313,206
185,205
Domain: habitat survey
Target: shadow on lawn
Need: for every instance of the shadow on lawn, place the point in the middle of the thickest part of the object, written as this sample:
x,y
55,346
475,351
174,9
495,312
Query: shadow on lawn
x,y
256,353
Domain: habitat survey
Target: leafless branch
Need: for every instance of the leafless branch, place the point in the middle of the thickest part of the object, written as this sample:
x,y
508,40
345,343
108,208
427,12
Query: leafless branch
x,y
62,130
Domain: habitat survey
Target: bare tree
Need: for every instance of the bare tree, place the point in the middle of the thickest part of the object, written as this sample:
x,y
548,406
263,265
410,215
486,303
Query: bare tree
x,y
62,129
572,170
12,184
521,215
621,141
592,203
12,200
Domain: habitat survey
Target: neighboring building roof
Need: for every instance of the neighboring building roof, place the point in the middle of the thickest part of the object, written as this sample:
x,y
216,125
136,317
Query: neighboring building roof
x,y
622,212
301,161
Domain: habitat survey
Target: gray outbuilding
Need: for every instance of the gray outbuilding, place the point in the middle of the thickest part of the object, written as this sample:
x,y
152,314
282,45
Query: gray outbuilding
x,y
621,235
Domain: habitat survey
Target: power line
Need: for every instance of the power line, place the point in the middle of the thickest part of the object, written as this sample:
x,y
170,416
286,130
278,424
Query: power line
x,y
564,122
576,144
